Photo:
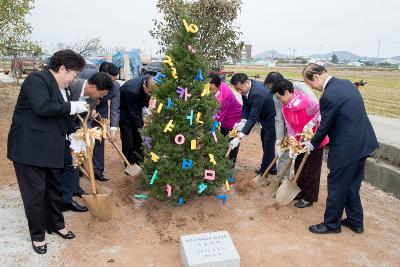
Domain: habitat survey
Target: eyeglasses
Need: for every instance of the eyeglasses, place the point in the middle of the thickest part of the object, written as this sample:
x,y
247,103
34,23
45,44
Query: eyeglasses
x,y
74,73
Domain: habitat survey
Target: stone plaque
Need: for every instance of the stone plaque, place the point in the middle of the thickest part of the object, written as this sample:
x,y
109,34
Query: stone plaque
x,y
208,250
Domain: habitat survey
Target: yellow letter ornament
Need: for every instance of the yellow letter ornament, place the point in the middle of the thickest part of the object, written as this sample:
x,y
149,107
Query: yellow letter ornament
x,y
154,157
190,28
169,127
198,115
212,160
206,90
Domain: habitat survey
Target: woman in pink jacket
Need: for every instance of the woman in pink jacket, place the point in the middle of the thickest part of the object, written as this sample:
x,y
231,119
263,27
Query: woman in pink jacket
x,y
230,110
301,113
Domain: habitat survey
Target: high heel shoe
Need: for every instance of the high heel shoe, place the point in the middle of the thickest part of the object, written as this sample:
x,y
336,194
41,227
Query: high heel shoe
x,y
39,249
68,235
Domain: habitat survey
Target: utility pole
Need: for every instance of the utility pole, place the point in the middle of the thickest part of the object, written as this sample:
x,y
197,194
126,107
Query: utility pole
x,y
377,57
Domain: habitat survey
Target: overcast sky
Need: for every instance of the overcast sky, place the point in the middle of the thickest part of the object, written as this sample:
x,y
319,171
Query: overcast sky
x,y
306,26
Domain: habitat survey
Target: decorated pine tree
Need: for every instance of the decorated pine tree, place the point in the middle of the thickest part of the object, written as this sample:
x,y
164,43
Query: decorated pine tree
x,y
184,150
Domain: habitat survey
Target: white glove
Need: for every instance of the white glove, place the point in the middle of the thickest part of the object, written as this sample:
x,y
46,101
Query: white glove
x,y
146,112
239,127
79,107
292,155
235,142
113,135
309,125
278,151
309,146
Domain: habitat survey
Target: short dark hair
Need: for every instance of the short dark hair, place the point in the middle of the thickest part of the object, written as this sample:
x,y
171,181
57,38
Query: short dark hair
x,y
68,58
101,80
281,86
311,69
215,79
239,78
273,77
109,68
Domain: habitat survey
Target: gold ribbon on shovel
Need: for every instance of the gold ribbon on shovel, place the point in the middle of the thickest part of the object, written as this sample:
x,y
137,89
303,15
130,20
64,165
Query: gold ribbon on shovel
x,y
99,205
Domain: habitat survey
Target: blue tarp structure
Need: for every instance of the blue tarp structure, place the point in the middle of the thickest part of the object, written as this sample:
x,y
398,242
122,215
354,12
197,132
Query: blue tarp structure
x,y
118,60
134,58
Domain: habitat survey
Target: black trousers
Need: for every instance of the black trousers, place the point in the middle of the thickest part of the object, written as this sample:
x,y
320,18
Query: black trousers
x,y
69,176
98,153
268,137
234,152
310,176
42,198
344,193
131,143
98,157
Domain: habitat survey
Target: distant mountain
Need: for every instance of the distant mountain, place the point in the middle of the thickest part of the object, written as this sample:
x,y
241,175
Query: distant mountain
x,y
269,54
342,55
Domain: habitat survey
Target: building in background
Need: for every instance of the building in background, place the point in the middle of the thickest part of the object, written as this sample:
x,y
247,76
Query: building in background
x,y
245,54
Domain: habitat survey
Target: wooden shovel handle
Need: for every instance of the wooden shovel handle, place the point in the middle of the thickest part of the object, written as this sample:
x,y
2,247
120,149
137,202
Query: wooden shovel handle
x,y
270,167
115,145
303,162
229,151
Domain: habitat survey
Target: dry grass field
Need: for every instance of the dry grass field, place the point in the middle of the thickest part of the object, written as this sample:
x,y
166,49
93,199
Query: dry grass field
x,y
381,93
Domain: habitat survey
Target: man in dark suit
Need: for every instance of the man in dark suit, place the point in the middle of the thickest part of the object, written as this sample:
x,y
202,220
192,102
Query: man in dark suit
x,y
258,106
352,139
102,109
36,143
91,91
135,97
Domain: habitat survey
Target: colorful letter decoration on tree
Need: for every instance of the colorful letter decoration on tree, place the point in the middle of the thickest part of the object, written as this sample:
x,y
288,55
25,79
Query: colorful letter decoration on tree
x,y
190,28
179,139
168,188
209,175
187,164
169,127
154,157
202,187
154,177
212,159
198,115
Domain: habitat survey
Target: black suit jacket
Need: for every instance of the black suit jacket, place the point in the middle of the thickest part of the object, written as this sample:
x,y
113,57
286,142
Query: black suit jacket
x,y
133,99
345,121
258,106
39,125
113,95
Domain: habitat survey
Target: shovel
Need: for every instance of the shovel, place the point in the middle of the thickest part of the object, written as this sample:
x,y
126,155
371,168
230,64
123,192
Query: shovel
x,y
259,179
274,183
100,188
132,170
98,204
289,189
228,152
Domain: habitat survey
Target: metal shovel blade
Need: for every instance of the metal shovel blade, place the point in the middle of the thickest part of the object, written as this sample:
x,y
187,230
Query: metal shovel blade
x,y
99,206
133,170
287,192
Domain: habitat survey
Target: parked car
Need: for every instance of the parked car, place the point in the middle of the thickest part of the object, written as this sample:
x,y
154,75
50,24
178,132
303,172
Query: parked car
x,y
152,68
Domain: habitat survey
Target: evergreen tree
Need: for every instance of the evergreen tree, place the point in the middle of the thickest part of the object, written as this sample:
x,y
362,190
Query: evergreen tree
x,y
180,134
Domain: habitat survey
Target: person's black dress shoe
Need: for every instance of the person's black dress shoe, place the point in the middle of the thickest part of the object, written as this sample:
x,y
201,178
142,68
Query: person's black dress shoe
x,y
298,197
301,204
322,229
101,177
355,229
68,235
73,206
39,249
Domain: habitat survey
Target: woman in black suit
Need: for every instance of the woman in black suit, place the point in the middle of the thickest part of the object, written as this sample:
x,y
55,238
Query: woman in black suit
x,y
36,143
